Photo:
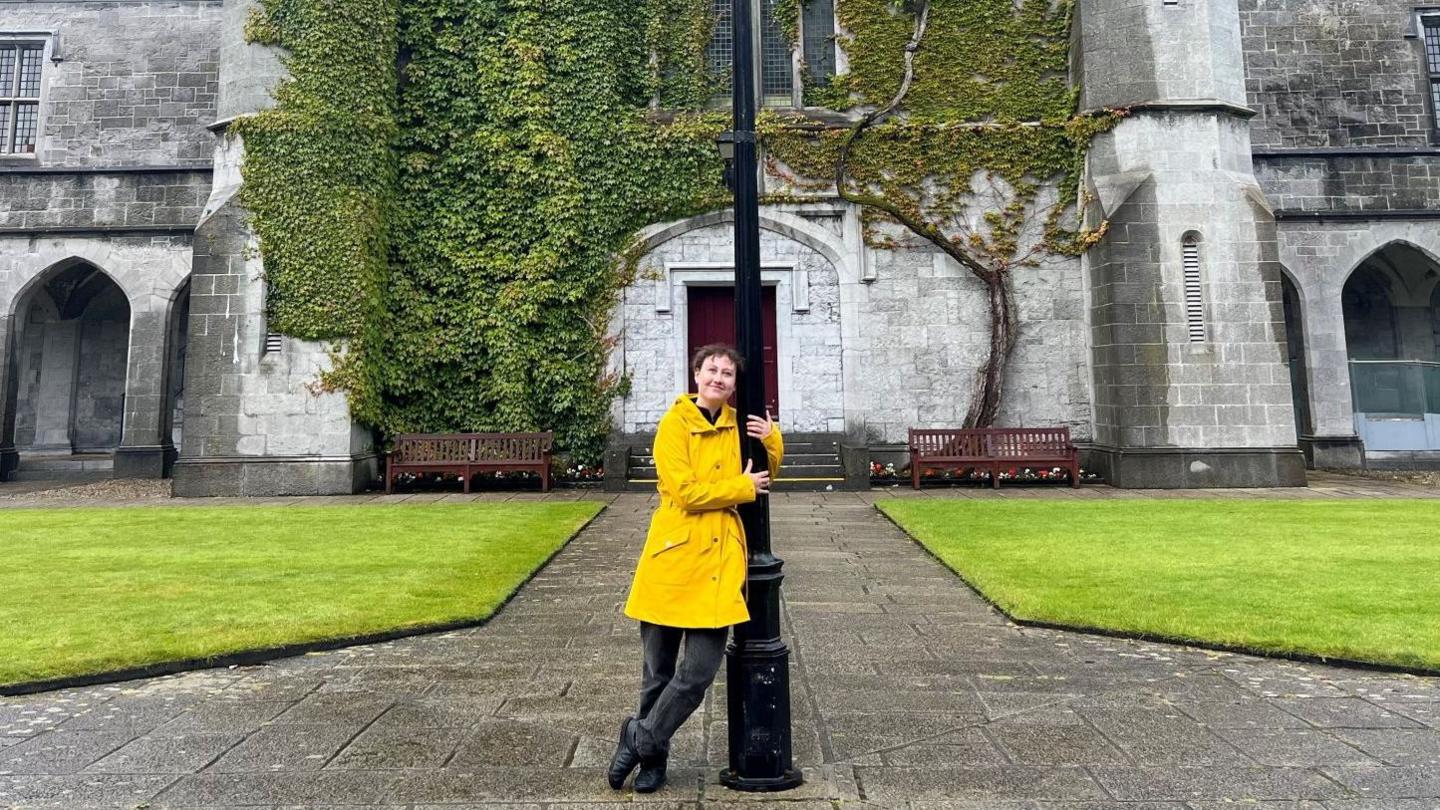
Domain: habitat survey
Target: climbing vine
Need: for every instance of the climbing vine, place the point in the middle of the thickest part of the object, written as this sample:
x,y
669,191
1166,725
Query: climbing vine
x,y
469,228
967,136
319,165
527,160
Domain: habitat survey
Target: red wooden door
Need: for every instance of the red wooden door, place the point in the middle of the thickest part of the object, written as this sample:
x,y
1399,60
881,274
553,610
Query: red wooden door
x,y
712,320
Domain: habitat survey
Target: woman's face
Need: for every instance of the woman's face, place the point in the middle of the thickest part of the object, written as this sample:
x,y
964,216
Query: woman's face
x,y
715,381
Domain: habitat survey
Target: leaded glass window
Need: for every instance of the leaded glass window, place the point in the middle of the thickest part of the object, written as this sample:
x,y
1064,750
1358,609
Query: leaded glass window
x,y
1431,28
779,62
19,97
817,30
777,67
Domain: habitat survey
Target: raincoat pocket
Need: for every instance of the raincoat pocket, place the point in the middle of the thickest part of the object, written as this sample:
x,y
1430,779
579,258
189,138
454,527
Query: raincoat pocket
x,y
670,545
675,563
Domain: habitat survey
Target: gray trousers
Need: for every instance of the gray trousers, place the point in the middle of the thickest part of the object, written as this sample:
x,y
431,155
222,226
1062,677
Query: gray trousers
x,y
668,696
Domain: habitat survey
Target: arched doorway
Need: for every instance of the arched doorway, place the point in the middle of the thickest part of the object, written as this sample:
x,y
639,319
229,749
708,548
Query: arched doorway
x,y
70,358
1392,335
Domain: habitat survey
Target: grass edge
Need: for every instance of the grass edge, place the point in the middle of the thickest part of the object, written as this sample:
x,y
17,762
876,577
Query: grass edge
x,y
260,655
1136,635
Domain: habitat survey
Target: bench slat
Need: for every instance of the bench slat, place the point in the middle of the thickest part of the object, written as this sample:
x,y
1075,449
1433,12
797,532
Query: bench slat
x,y
992,447
467,452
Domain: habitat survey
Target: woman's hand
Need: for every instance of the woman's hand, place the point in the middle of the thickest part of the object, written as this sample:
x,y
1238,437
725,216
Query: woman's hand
x,y
761,479
759,427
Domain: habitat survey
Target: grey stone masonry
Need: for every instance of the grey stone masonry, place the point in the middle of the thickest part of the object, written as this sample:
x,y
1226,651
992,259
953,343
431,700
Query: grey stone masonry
x,y
1335,74
872,341
1376,182
136,83
255,421
1134,53
1191,385
248,72
40,202
151,271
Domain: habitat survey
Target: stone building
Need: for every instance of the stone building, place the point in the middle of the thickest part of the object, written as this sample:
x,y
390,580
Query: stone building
x,y
1268,293
131,306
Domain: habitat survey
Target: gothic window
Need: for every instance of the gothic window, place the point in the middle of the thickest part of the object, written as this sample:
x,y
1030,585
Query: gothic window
x,y
775,57
19,96
1430,27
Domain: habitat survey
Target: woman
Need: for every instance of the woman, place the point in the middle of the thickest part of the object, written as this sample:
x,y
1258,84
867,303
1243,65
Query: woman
x,y
689,583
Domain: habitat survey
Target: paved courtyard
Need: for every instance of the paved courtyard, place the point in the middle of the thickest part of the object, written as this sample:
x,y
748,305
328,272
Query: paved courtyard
x,y
908,691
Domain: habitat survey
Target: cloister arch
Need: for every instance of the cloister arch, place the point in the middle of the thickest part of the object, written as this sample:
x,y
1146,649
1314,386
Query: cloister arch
x,y
1391,307
67,353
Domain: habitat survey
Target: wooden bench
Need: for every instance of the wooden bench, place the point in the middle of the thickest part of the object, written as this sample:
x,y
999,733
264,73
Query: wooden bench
x,y
994,448
468,453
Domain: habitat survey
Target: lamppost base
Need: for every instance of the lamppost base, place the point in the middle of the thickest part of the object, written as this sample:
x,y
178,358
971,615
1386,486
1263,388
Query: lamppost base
x,y
786,781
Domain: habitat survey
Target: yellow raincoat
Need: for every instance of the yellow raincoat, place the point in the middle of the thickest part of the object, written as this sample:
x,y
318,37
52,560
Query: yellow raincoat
x,y
692,570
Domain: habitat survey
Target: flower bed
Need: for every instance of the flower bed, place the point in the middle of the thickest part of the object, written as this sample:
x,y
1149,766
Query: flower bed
x,y
888,474
578,476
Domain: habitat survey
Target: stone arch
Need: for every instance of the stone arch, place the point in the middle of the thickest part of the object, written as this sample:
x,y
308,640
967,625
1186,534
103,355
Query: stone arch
x,y
1400,279
1361,254
35,280
1367,302
784,223
66,361
804,269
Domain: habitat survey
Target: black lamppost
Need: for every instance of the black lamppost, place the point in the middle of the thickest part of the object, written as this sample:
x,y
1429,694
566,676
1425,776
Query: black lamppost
x,y
757,660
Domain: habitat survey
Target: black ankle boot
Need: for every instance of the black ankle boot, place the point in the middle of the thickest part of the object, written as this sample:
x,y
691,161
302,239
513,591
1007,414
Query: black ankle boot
x,y
652,774
626,757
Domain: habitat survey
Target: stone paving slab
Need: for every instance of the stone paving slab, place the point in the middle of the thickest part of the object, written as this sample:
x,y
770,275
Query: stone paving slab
x,y
909,691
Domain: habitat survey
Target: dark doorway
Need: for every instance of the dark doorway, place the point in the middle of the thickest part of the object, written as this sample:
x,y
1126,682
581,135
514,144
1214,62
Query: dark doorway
x,y
712,320
71,359
1295,352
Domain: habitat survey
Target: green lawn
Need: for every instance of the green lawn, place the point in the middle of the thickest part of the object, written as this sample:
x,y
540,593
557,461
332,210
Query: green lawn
x,y
95,590
1343,579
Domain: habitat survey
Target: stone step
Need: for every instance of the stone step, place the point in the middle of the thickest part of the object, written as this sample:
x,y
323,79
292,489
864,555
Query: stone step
x,y
69,476
786,471
818,484
791,459
79,462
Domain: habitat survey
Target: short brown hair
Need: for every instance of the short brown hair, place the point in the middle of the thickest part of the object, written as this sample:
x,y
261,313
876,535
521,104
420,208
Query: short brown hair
x,y
724,350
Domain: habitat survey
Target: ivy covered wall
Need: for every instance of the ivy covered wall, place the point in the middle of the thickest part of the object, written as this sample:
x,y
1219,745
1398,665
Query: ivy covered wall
x,y
463,222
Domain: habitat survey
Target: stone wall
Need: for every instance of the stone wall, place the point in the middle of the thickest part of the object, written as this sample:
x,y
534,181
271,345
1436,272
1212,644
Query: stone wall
x,y
655,338
38,202
254,422
150,270
1377,182
1327,74
100,373
1163,395
1152,52
887,339
1321,260
921,332
137,83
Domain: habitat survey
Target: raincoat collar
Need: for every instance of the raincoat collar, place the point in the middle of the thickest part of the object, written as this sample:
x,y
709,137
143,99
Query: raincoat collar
x,y
695,421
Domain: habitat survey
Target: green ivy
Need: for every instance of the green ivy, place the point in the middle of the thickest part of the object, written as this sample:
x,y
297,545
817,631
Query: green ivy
x,y
469,229
319,166
527,161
